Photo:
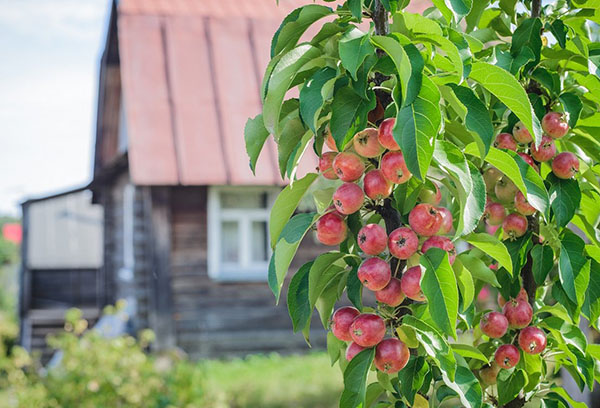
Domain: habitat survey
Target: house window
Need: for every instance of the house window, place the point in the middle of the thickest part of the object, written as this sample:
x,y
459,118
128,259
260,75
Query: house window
x,y
238,232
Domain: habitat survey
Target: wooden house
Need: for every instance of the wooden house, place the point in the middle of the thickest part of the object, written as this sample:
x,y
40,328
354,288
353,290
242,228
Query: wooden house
x,y
185,239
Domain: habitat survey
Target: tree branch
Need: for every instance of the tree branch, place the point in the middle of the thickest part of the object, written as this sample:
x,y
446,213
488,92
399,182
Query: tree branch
x,y
536,8
380,19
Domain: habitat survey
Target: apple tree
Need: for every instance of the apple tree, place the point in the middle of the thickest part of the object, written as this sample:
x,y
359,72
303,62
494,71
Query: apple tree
x,y
456,190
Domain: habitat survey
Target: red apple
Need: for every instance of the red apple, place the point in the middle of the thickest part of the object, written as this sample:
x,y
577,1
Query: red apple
x,y
352,350
367,329
494,213
532,340
425,220
446,221
392,294
403,243
374,273
386,138
372,239
555,125
348,198
546,151
348,166
341,321
505,141
331,229
518,312
522,206
376,186
521,134
514,226
507,356
366,143
442,243
325,165
391,356
411,283
565,165
394,168
494,325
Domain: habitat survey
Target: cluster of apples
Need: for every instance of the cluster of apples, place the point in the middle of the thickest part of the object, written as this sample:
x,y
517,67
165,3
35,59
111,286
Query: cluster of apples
x,y
564,165
516,314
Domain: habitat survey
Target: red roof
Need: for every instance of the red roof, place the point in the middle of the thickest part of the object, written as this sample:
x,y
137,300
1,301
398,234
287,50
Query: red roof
x,y
191,73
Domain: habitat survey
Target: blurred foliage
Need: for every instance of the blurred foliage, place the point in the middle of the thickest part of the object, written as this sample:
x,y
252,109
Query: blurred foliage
x,y
119,372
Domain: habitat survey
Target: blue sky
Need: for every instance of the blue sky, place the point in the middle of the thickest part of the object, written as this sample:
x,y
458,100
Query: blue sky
x,y
48,85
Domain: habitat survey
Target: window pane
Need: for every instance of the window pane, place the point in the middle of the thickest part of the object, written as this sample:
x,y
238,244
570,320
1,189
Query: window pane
x,y
243,199
259,241
229,242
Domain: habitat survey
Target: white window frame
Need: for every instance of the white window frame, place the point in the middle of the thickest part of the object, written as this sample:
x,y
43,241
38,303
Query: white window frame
x,y
245,269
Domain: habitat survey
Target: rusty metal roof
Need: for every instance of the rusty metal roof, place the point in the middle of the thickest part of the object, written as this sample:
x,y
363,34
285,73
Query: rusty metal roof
x,y
191,73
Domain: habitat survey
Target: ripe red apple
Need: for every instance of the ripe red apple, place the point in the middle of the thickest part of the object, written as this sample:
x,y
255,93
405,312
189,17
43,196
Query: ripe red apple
x,y
521,134
374,273
325,165
491,229
341,321
391,356
372,239
386,138
446,221
518,312
425,220
430,197
352,350
331,229
442,243
546,151
555,125
494,325
565,165
522,206
514,226
330,141
507,356
403,243
367,329
505,190
521,296
392,294
532,340
376,186
348,166
494,213
411,283
505,141
489,374
394,168
529,161
366,143
348,198
490,177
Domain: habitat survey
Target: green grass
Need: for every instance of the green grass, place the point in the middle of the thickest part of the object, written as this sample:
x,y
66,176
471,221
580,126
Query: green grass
x,y
273,381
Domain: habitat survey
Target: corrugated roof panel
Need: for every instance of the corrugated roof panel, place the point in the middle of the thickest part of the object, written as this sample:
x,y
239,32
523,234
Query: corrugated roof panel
x,y
146,99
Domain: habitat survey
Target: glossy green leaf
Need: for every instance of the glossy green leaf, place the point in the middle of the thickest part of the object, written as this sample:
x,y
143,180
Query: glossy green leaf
x,y
255,136
572,105
322,271
477,118
313,95
297,298
543,261
349,114
565,198
510,383
479,270
286,203
434,343
559,31
354,289
440,288
396,51
468,351
412,377
416,128
493,247
466,286
506,88
449,49
527,36
355,379
335,348
592,296
571,264
294,25
354,47
465,385
277,82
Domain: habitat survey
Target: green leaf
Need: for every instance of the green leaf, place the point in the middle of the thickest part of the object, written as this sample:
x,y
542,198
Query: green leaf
x,y
573,106
537,195
312,96
570,266
255,136
465,284
297,299
331,293
528,36
335,347
355,379
479,270
510,383
286,248
543,261
321,273
559,31
451,52
412,377
286,203
477,118
465,385
416,128
434,343
354,289
349,114
395,50
416,76
294,25
565,197
508,6
491,246
356,7
510,92
440,288
568,399
354,47
291,136
468,351
277,82
518,250
593,293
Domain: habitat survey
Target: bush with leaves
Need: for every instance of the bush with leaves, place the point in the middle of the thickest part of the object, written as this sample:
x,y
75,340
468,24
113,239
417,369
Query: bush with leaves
x,y
474,126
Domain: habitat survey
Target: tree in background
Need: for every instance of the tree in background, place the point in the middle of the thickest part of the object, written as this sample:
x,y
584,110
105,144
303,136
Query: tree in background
x,y
462,149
